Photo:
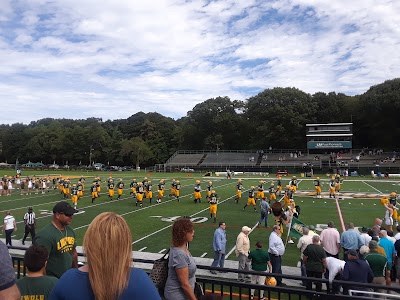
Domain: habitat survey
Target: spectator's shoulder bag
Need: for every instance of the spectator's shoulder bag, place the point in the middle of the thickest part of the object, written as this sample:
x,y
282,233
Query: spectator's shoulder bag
x,y
159,273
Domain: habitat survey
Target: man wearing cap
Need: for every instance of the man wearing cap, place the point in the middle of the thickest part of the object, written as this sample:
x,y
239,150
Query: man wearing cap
x,y
356,270
377,263
219,245
59,240
330,240
242,251
30,224
302,244
8,288
276,250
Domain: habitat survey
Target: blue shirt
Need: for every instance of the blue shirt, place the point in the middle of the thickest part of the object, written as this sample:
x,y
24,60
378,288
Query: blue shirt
x,y
75,285
388,246
351,240
219,242
264,206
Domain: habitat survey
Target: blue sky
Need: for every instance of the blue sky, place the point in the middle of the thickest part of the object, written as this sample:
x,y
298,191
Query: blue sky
x,y
111,59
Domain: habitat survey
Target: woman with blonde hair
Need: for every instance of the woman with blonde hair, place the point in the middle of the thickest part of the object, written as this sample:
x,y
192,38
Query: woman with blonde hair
x,y
181,266
108,274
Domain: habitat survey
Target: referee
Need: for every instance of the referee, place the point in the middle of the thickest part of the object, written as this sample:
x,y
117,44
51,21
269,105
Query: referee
x,y
30,223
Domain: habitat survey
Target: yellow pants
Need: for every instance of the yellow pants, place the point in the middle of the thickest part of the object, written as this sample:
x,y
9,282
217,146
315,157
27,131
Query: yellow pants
x,y
251,201
213,209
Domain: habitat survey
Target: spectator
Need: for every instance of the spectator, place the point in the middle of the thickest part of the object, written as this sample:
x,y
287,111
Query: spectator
x,y
365,237
356,270
334,269
30,224
264,210
315,261
276,250
9,226
302,244
219,245
182,267
350,240
59,240
330,240
397,236
242,251
378,264
36,285
108,236
388,246
8,288
260,262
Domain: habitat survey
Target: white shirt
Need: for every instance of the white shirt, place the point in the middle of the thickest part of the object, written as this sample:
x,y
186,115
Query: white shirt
x,y
334,266
276,245
397,236
366,238
9,222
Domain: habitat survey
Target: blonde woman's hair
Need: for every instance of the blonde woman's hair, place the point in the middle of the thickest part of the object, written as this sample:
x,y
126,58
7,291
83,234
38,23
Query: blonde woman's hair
x,y
107,245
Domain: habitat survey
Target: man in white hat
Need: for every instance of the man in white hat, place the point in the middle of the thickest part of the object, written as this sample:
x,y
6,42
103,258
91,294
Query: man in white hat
x,y
242,251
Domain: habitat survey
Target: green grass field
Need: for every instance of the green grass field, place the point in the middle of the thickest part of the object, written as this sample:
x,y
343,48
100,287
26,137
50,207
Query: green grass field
x,y
151,224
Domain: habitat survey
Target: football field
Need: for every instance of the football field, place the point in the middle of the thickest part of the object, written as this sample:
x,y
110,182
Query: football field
x,y
151,224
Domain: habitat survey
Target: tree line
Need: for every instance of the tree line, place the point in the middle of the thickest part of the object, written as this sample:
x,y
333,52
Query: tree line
x,y
275,117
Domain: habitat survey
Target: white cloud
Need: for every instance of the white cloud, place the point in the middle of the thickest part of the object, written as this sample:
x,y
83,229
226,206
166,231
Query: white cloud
x,y
81,58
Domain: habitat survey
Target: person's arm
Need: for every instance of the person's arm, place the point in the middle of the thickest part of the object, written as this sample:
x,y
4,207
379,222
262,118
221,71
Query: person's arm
x,y
11,293
239,245
15,225
183,277
324,264
269,266
74,258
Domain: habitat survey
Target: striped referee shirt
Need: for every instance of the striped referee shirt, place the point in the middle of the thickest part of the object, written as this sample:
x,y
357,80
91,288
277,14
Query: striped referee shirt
x,y
29,218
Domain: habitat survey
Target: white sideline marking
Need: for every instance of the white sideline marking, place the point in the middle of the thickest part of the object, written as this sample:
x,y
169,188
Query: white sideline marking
x,y
204,254
372,187
234,247
144,248
162,251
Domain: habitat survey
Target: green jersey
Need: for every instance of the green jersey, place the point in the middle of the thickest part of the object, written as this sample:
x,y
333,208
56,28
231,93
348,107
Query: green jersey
x,y
59,244
38,288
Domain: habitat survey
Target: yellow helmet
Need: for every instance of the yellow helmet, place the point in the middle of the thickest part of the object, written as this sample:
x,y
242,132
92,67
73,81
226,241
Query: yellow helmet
x,y
333,177
213,191
140,183
177,181
294,176
197,181
317,178
145,178
272,184
210,182
287,186
252,187
393,194
279,177
239,180
271,281
261,181
134,179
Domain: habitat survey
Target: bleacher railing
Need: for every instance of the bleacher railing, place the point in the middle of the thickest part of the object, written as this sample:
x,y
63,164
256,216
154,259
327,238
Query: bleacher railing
x,y
233,289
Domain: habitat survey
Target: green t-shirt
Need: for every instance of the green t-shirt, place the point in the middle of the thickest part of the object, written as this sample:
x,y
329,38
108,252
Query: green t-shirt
x,y
38,288
315,254
59,244
259,259
377,263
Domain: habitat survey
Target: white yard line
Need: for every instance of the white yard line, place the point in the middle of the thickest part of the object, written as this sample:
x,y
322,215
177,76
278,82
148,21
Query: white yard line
x,y
166,227
162,251
141,249
372,187
204,254
234,247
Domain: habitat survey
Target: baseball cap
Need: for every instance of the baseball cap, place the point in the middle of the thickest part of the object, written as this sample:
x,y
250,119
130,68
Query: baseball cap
x,y
246,228
373,244
64,207
364,229
352,252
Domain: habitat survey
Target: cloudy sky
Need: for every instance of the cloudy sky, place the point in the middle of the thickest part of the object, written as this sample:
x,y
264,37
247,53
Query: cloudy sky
x,y
110,59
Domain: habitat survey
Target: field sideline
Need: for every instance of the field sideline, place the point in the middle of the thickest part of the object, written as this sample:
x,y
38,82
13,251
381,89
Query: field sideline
x,y
151,224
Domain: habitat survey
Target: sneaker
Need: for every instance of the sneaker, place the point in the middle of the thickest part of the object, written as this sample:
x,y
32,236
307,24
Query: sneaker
x,y
290,242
